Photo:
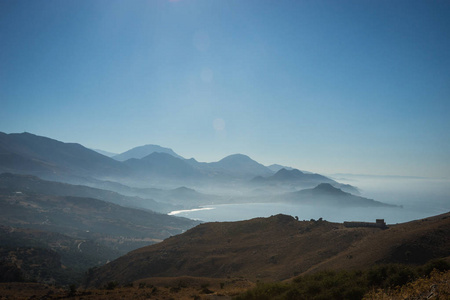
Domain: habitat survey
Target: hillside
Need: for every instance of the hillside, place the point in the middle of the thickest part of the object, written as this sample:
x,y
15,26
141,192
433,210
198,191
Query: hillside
x,y
28,183
44,256
146,166
163,166
143,151
285,177
327,195
241,166
118,227
27,153
277,248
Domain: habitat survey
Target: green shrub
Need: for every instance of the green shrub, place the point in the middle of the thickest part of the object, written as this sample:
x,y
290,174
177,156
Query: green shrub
x,y
339,285
438,264
111,285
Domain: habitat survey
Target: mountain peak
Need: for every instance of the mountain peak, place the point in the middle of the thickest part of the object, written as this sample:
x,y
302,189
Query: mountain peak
x,y
287,174
236,157
277,167
159,155
242,165
143,151
327,187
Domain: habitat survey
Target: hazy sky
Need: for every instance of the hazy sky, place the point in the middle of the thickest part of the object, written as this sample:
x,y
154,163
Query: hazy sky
x,y
326,86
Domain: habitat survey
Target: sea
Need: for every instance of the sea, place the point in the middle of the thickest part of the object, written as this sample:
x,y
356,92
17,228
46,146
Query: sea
x,y
416,198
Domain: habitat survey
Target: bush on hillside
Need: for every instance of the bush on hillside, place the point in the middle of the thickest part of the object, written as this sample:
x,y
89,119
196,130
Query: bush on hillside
x,y
340,285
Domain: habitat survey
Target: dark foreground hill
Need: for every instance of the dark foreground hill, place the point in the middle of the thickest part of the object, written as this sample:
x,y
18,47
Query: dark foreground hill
x,y
118,227
278,248
47,257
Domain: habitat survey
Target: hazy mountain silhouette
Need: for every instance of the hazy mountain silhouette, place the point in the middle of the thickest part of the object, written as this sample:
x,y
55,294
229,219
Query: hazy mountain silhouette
x,y
277,167
298,178
29,183
326,194
29,153
26,153
294,175
163,165
240,165
143,151
105,153
24,205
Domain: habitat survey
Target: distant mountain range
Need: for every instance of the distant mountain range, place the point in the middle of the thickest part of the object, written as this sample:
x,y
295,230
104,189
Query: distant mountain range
x,y
326,194
26,153
53,160
32,184
105,153
293,176
143,151
277,167
297,178
71,203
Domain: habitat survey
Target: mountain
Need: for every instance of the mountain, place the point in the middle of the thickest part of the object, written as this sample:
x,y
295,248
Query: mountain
x,y
143,151
293,176
189,198
278,248
241,166
326,194
44,256
163,165
33,184
105,153
49,159
31,154
277,167
297,178
118,227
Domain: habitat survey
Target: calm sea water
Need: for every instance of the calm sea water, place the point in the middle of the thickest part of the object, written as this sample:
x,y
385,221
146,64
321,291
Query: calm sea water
x,y
420,198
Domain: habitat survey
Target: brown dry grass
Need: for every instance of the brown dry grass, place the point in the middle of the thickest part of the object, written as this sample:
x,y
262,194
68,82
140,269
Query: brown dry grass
x,y
437,286
278,248
181,288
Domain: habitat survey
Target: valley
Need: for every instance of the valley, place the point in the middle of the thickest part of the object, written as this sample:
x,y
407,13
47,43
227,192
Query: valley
x,y
74,217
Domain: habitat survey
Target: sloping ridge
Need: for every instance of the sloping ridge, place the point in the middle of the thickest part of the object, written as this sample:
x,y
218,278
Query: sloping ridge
x,y
275,248
295,175
143,151
29,183
163,165
240,165
33,154
326,194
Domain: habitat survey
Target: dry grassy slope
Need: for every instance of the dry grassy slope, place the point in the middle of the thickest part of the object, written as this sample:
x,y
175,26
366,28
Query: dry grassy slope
x,y
414,242
272,248
275,248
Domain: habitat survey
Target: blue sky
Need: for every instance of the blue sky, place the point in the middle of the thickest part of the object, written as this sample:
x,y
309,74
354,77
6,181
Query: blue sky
x,y
326,86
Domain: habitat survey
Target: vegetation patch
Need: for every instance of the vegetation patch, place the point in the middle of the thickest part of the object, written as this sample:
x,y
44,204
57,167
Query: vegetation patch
x,y
350,285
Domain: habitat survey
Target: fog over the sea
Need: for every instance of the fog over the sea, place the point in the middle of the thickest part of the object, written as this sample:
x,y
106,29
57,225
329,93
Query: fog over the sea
x,y
416,197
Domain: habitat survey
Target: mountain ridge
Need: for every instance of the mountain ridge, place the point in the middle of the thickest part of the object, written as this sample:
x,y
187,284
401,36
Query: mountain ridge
x,y
327,194
144,150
